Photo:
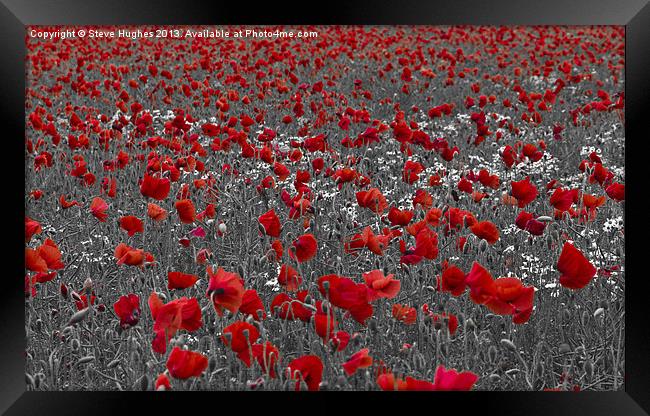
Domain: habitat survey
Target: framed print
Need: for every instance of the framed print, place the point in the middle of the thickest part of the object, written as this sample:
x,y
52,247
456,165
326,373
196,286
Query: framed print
x,y
388,202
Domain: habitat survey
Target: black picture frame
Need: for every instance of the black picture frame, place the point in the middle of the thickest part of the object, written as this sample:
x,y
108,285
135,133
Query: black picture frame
x,y
15,15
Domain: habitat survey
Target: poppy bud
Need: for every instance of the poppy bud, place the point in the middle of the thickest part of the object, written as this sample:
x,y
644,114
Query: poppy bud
x,y
29,379
64,291
549,241
509,345
566,314
74,345
466,248
87,287
39,324
603,304
539,369
492,354
470,324
599,312
564,348
223,228
372,325
589,369
482,246
494,378
340,381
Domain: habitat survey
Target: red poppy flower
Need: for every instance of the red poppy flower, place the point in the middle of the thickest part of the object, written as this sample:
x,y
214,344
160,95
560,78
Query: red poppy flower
x,y
524,191
422,198
98,208
380,286
512,298
271,223
155,212
178,280
403,313
358,360
132,225
491,181
397,217
308,368
32,227
242,336
183,364
186,211
252,305
127,308
267,356
591,202
225,289
465,186
156,188
281,171
486,230
304,248
388,382
66,204
344,293
480,283
576,270
168,318
426,244
34,262
289,278
340,340
616,191
562,199
451,380
129,255
411,171
372,199
453,280
162,383
285,307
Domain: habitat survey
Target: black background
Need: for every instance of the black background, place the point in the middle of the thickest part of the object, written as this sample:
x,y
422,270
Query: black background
x,y
634,14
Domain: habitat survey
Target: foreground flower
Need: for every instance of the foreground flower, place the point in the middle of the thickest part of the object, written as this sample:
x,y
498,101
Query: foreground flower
x,y
576,270
267,356
403,313
183,364
156,188
98,208
524,191
127,308
380,286
169,318
241,336
308,368
304,248
453,380
486,230
131,225
270,223
178,280
186,211
358,360
225,289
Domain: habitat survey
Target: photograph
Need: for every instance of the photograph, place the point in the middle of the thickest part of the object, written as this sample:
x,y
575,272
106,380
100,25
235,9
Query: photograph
x,y
325,208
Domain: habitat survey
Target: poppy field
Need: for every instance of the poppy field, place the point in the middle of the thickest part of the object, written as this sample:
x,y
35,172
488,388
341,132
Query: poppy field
x,y
364,208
